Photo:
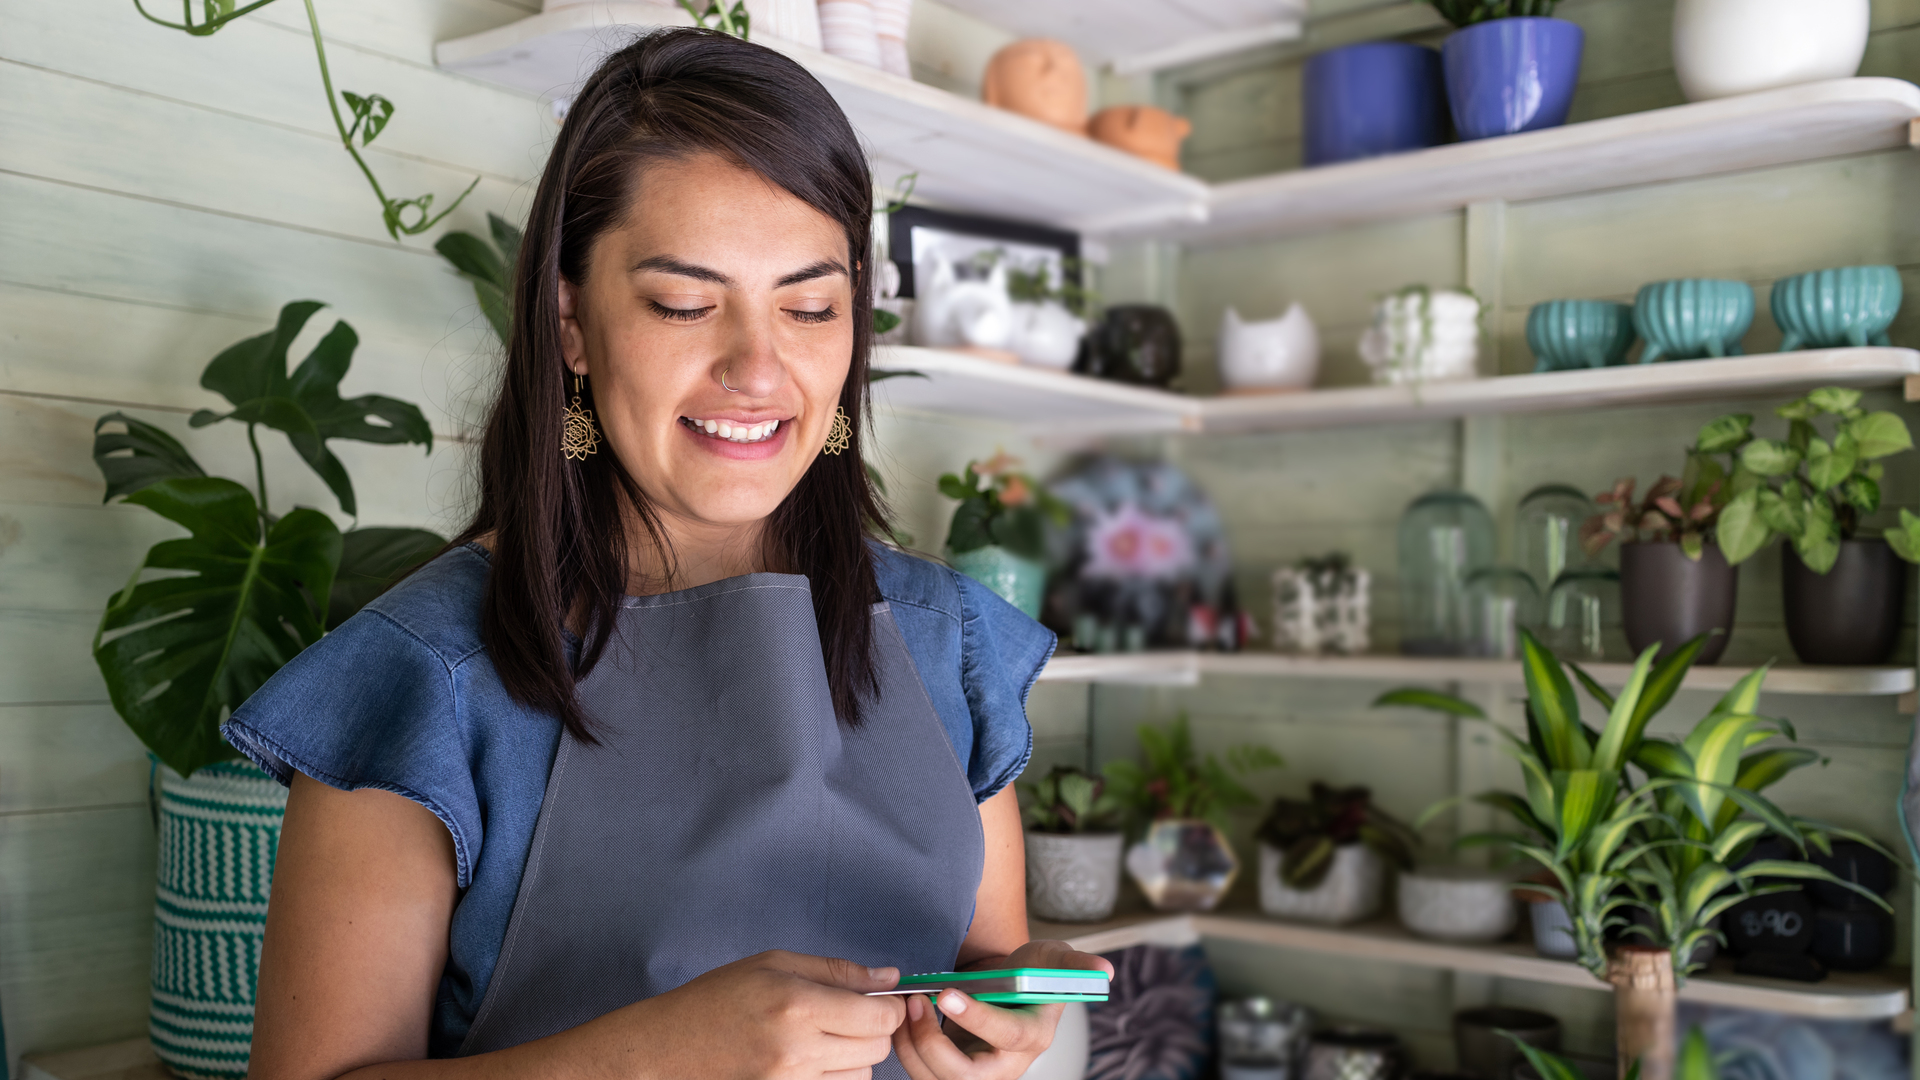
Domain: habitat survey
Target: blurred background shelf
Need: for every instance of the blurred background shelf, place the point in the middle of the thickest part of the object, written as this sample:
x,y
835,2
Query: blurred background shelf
x,y
1873,995
1187,668
1047,403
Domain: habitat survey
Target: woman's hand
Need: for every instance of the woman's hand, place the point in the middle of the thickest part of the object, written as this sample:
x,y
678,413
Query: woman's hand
x,y
778,1015
1011,1037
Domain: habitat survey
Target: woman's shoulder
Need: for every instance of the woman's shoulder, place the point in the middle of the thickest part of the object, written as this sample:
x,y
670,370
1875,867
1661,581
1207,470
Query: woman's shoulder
x,y
438,605
906,578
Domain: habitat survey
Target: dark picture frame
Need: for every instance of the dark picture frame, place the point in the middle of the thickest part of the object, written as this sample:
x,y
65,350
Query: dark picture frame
x,y
901,224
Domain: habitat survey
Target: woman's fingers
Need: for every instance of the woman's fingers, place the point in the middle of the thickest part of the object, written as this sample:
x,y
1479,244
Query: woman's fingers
x,y
925,1051
1057,954
1025,1030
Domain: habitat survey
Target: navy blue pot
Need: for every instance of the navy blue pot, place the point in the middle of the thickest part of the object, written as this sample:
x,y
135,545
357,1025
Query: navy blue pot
x,y
1379,97
1505,76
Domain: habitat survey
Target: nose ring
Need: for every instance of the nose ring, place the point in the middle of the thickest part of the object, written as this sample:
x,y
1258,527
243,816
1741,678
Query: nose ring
x,y
723,382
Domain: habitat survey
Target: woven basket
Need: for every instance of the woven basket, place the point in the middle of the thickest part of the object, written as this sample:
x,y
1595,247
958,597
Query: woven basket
x,y
219,830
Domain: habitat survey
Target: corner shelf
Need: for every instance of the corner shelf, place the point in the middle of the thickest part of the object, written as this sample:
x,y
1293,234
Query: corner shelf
x,y
1053,405
1874,995
969,155
1187,669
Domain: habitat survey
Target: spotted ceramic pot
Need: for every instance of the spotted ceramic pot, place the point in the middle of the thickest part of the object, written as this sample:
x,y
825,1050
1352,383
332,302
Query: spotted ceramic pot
x,y
1073,878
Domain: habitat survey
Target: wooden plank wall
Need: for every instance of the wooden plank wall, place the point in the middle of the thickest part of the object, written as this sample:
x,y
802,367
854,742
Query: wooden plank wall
x,y
163,196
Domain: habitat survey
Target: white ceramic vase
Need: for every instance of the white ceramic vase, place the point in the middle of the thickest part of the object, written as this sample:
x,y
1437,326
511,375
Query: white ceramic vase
x,y
1278,354
890,21
1453,903
847,30
951,311
1727,47
797,21
1423,336
1046,334
1350,892
1073,878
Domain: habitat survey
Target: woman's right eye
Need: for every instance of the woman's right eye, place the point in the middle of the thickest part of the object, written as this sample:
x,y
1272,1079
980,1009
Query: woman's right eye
x,y
677,314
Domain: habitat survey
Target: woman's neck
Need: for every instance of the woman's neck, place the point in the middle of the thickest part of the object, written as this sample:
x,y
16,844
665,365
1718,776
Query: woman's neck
x,y
700,553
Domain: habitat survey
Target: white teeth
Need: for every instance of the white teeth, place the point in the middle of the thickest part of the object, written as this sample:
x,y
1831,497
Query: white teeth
x,y
739,433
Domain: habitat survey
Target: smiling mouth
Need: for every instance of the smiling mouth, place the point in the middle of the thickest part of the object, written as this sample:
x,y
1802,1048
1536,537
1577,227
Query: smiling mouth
x,y
731,432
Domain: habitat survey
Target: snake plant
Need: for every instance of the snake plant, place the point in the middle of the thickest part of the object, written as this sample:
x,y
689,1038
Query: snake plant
x,y
1468,12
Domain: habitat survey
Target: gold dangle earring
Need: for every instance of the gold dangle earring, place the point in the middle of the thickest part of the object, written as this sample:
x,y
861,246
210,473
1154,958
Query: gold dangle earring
x,y
840,436
580,440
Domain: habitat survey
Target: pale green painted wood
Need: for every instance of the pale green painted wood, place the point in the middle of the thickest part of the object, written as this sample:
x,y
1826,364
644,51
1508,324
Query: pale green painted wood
x,y
404,32
68,757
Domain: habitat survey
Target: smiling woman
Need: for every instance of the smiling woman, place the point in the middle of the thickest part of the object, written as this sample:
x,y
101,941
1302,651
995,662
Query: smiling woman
x,y
665,765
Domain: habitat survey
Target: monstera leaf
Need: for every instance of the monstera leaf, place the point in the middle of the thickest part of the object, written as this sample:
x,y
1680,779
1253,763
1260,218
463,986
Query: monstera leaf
x,y
181,651
142,455
487,268
370,561
307,405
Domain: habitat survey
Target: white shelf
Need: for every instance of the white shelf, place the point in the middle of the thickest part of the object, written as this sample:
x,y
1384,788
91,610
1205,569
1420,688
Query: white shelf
x,y
1052,405
1875,995
1773,127
1135,37
970,156
1187,669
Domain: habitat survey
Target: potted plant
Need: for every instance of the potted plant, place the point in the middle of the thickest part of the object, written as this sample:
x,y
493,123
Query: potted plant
x,y
1727,47
999,531
1670,846
1073,846
1844,590
1696,1062
1177,806
1675,582
240,596
1509,66
1323,858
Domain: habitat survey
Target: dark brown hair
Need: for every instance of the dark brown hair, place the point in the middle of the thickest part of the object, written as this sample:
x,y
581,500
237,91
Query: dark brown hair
x,y
559,526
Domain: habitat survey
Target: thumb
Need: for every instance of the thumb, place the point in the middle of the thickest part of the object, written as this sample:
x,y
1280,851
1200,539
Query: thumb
x,y
836,972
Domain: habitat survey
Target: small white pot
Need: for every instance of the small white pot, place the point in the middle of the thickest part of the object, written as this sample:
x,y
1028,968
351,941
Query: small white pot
x,y
1279,354
1073,878
1421,337
1727,47
1457,903
1066,1058
1046,334
1350,892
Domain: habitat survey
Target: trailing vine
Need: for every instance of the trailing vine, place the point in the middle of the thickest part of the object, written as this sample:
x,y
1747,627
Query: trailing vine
x,y
371,112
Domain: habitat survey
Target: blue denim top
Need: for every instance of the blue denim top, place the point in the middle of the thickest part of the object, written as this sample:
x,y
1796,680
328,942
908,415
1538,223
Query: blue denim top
x,y
403,698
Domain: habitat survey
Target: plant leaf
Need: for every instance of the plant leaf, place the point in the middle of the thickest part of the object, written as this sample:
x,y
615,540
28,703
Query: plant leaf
x,y
1743,529
1725,434
179,653
1769,457
1594,689
140,456
1414,697
1554,705
1829,464
506,237
1879,434
371,560
1625,723
1833,399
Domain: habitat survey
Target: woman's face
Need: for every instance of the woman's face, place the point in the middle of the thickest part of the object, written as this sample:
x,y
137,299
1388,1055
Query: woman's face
x,y
715,274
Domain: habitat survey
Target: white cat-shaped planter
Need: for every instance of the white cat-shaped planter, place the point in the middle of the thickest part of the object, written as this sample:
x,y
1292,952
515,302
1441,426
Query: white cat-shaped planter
x,y
1046,334
1279,354
951,313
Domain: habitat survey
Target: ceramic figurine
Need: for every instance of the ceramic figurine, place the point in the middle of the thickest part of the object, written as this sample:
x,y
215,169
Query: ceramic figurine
x,y
1046,334
847,30
1039,78
1421,335
1143,131
1279,354
951,311
1727,47
1322,606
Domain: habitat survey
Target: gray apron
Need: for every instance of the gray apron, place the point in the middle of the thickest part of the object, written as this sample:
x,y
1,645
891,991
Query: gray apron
x,y
726,811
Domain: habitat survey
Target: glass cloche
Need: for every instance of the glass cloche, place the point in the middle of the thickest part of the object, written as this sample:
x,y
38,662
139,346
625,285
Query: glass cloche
x,y
1444,537
1546,533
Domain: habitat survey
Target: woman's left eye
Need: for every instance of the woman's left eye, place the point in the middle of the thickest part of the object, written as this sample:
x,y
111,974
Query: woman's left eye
x,y
677,314
827,314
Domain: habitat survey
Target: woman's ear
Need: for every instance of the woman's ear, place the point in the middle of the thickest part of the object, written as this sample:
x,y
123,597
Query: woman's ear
x,y
573,342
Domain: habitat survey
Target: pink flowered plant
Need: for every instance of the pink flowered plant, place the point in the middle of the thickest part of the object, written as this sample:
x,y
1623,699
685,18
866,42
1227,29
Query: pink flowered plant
x,y
1129,544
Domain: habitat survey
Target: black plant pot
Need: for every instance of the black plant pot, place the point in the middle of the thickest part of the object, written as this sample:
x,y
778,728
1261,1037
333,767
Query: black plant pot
x,y
1668,598
1856,862
1135,343
1851,613
1774,923
1856,940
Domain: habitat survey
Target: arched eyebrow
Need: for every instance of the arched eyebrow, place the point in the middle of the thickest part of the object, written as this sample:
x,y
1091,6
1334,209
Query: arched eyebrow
x,y
823,268
667,264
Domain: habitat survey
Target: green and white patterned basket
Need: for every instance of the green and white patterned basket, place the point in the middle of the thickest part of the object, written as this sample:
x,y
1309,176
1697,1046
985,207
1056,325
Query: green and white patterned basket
x,y
219,830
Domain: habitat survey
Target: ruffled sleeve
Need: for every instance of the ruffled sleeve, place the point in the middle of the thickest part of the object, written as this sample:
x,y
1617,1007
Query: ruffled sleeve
x,y
370,706
1001,654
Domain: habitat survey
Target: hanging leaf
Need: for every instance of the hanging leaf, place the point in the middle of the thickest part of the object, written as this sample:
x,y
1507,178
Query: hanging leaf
x,y
140,456
179,653
370,115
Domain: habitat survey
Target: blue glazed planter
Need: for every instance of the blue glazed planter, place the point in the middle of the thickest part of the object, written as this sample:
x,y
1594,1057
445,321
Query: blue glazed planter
x,y
1505,76
1692,318
1826,309
1379,97
1020,582
1569,334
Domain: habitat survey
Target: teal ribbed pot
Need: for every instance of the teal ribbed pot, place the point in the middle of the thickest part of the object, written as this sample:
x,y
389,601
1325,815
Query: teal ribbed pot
x,y
1827,309
1692,318
219,830
1020,582
1570,334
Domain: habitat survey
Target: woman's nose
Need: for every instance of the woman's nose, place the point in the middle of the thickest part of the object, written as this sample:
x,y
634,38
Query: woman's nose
x,y
751,366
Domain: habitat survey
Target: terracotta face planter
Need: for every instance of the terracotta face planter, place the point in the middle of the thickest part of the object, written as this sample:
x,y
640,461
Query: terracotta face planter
x,y
1143,131
1041,79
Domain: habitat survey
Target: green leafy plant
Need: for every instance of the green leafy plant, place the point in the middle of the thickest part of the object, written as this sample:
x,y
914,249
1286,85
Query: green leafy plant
x,y
733,21
204,620
370,112
1810,488
1307,832
999,505
1468,12
1036,286
1069,800
1685,510
1696,1060
489,266
1175,783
